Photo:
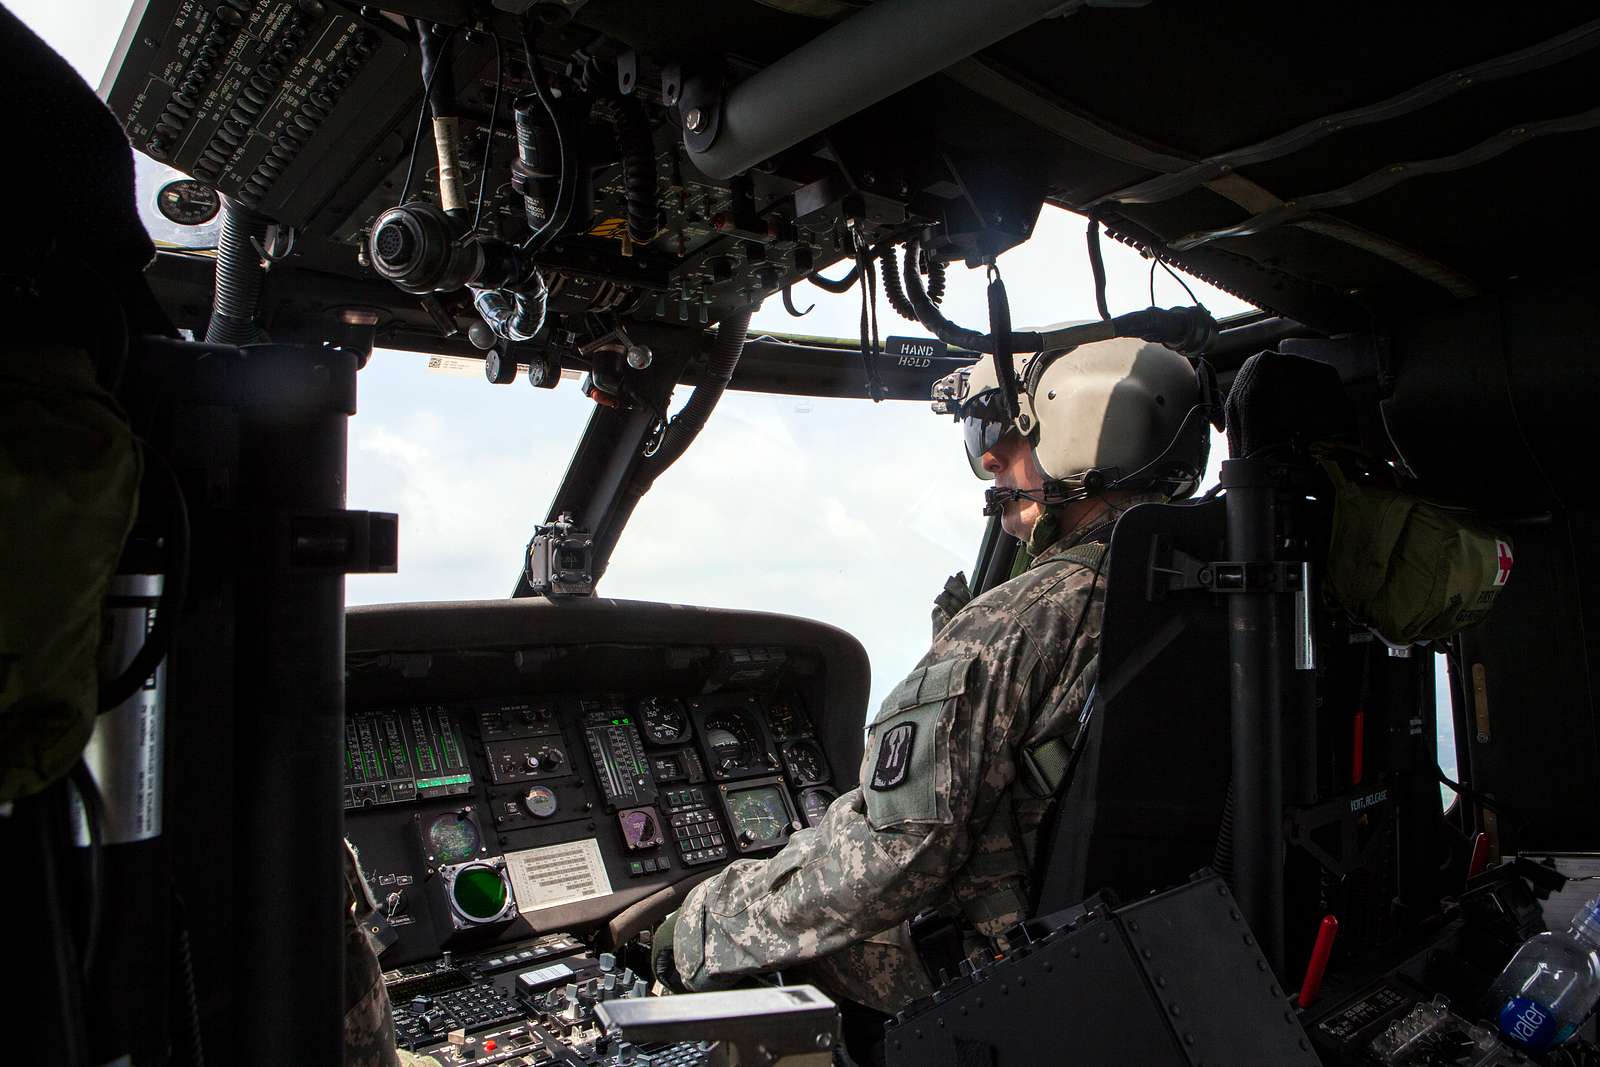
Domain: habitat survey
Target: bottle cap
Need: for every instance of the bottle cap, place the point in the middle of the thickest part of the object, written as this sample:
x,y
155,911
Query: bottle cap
x,y
1586,923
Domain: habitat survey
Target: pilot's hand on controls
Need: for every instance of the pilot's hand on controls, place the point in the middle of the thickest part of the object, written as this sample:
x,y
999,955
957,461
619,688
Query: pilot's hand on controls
x,y
956,595
662,964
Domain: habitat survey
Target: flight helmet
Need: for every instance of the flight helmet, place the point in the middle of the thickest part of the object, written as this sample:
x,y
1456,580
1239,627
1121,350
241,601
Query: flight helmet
x,y
1115,414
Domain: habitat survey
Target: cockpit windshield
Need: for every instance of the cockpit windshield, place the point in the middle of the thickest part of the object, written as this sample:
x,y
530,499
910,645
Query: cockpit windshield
x,y
841,510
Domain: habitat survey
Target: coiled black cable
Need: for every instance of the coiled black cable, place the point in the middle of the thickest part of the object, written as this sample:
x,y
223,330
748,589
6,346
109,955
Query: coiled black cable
x,y
934,269
891,284
639,185
191,994
239,277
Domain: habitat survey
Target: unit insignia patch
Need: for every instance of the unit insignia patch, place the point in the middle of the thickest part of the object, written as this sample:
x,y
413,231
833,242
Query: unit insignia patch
x,y
894,756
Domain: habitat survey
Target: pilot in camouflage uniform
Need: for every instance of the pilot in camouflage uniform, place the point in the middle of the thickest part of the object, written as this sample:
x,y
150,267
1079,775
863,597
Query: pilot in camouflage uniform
x,y
950,795
936,823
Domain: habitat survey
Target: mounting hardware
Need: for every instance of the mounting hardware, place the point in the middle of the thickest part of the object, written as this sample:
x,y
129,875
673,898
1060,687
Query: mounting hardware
x,y
560,560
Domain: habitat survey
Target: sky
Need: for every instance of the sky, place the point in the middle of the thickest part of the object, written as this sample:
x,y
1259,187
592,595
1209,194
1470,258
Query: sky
x,y
840,510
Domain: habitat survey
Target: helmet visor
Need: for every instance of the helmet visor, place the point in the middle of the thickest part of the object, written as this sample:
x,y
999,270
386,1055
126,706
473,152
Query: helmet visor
x,y
983,425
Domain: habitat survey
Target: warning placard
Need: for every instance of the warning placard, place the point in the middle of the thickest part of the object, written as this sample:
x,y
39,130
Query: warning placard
x,y
557,874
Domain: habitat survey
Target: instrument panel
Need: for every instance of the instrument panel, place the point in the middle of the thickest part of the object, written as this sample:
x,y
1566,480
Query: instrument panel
x,y
479,822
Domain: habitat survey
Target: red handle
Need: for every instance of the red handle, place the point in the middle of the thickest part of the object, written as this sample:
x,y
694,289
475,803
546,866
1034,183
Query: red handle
x,y
1319,961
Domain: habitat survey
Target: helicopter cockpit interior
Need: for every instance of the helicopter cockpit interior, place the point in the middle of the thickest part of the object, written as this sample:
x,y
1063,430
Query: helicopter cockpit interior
x,y
596,195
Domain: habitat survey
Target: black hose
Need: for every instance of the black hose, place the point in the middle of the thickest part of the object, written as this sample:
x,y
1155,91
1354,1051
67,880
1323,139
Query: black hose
x,y
174,592
1187,330
891,284
83,784
239,278
686,425
950,333
639,185
836,285
1097,264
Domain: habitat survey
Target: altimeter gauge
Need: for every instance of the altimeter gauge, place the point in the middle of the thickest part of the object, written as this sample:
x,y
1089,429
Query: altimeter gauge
x,y
805,762
188,202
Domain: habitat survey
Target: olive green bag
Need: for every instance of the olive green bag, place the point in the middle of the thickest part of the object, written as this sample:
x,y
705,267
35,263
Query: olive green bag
x,y
69,480
1411,570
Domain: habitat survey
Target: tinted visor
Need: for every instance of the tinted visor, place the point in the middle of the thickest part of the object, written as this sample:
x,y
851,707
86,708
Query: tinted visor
x,y
983,424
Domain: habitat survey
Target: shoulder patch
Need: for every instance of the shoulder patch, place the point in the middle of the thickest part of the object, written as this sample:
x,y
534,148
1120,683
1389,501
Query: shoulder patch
x,y
894,756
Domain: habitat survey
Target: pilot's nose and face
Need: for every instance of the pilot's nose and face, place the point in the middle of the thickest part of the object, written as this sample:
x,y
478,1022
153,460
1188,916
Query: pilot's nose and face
x,y
1012,464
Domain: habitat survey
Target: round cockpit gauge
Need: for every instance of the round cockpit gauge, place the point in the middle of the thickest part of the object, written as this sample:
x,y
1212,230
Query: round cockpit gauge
x,y
732,740
664,721
805,762
814,803
188,202
479,894
540,801
759,816
452,838
640,828
787,716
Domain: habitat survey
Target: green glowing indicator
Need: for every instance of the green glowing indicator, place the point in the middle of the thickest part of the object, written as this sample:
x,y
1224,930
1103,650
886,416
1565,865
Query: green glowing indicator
x,y
449,779
479,892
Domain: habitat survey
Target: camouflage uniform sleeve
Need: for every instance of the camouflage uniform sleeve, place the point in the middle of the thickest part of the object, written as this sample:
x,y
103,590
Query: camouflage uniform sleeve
x,y
368,1025
942,754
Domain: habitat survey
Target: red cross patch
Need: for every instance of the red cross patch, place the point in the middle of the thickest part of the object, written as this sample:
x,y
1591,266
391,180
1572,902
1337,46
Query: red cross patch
x,y
1503,562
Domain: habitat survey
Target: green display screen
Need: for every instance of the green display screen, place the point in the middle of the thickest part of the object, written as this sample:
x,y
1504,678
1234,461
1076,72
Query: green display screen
x,y
479,892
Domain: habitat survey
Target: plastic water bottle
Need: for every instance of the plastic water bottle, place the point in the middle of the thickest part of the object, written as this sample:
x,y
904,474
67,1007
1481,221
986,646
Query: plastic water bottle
x,y
1550,985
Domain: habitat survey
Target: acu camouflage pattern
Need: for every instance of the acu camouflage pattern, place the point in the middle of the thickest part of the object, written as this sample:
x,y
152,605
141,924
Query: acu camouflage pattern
x,y
832,907
368,1022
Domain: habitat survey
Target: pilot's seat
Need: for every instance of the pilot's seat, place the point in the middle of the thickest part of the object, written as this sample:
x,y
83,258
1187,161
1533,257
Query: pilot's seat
x,y
1145,806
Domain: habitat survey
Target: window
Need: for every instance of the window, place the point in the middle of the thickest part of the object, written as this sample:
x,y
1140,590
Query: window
x,y
1444,727
841,510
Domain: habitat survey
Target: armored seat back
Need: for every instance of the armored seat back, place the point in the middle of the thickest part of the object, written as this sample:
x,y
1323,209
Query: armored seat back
x,y
1143,808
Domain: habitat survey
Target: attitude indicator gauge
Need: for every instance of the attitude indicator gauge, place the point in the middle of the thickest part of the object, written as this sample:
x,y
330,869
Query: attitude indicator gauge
x,y
735,741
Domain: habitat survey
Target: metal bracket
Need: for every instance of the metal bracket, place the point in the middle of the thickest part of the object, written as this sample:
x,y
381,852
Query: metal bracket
x,y
627,72
1220,576
338,542
700,111
1375,806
